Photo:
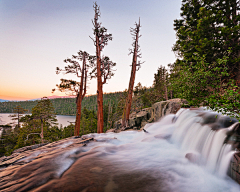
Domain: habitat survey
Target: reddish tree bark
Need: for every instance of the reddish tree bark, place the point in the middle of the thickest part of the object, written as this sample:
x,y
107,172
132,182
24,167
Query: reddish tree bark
x,y
99,75
136,54
79,88
80,95
99,90
104,65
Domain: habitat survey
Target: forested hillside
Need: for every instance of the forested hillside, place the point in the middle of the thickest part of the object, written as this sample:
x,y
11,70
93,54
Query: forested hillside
x,y
63,106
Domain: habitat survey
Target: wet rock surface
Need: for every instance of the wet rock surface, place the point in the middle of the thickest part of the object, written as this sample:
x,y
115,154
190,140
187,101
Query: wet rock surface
x,y
28,169
163,108
152,114
234,169
73,164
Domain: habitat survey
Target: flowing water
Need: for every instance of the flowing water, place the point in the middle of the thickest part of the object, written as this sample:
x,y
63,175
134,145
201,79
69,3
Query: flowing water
x,y
186,152
162,152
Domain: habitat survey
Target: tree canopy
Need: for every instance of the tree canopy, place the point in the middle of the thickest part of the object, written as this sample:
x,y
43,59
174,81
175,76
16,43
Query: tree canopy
x,y
208,50
19,111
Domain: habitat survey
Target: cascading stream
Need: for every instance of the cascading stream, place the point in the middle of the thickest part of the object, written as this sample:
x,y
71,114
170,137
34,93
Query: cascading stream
x,y
156,159
208,146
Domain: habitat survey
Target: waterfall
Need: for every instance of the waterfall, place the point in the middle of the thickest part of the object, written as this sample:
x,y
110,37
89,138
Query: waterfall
x,y
156,159
203,135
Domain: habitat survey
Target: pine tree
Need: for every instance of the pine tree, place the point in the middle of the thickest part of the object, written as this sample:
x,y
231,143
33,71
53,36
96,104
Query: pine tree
x,y
104,65
19,111
135,66
8,141
160,83
208,70
2,143
77,88
209,28
44,112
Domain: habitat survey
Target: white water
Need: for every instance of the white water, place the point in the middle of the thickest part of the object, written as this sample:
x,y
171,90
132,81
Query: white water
x,y
161,154
201,140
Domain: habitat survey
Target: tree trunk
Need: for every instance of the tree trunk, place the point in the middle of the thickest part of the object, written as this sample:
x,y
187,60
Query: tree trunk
x,y
131,84
80,98
129,97
78,116
99,89
100,108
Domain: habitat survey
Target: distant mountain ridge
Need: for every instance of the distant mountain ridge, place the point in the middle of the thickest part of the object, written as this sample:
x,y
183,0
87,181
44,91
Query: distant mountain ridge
x,y
49,97
57,97
64,105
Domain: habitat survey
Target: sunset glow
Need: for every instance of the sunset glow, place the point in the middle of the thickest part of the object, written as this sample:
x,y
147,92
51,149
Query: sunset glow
x,y
38,35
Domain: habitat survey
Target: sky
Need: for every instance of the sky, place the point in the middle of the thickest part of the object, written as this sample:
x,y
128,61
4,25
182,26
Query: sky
x,y
37,35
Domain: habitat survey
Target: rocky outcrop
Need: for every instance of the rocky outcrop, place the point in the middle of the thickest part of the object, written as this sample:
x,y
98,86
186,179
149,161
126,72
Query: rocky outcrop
x,y
234,168
151,114
163,108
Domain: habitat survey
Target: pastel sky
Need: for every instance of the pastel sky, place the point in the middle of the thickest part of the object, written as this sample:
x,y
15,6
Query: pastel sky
x,y
37,35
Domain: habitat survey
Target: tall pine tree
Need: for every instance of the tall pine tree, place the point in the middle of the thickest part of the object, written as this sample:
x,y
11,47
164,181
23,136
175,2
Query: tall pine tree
x,y
208,67
209,28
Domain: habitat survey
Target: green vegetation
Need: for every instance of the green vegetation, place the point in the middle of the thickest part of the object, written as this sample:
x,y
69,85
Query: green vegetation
x,y
207,70
42,123
39,122
18,113
8,107
62,106
7,141
43,113
41,127
73,87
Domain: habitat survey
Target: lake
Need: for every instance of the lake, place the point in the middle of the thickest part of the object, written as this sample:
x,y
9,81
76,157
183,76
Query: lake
x,y
63,120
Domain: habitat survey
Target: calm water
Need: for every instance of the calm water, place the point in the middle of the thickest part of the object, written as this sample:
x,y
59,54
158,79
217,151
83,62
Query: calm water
x,y
63,120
